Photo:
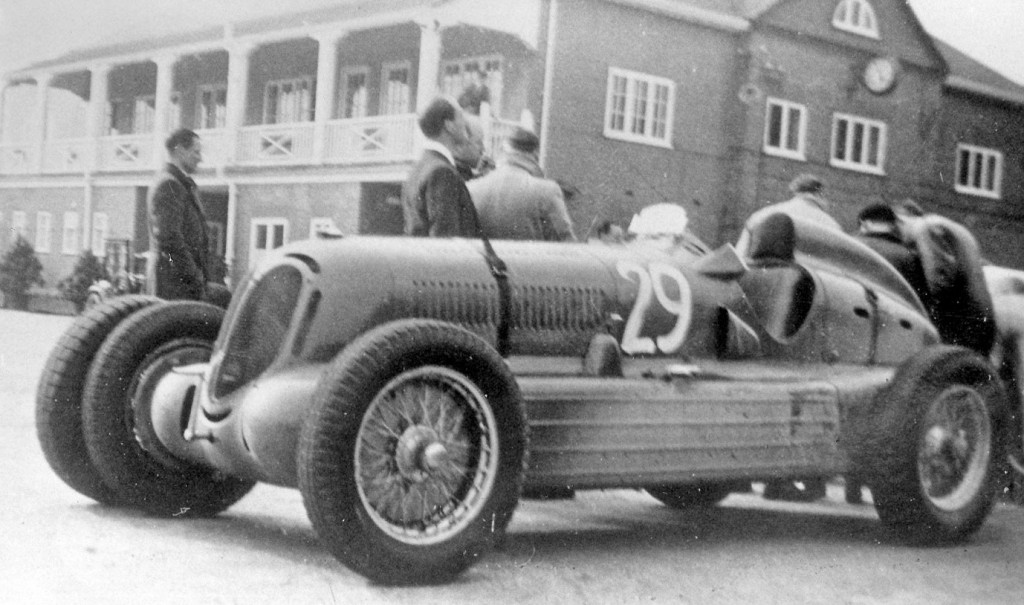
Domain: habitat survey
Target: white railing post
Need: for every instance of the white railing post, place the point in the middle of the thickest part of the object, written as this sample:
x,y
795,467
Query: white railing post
x,y
161,104
326,73
42,96
99,83
237,101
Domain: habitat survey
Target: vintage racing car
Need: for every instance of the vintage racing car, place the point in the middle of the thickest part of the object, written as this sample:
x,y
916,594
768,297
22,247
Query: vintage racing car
x,y
410,389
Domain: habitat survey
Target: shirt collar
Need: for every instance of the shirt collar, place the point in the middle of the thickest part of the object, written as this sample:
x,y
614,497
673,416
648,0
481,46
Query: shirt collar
x,y
179,174
433,145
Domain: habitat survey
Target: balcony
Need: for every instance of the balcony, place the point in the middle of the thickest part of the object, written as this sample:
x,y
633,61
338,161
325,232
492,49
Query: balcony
x,y
372,140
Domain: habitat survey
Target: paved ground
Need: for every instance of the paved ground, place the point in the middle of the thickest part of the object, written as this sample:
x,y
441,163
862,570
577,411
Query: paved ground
x,y
603,547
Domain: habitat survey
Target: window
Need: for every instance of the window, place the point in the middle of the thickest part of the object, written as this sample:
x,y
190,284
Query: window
x,y
288,101
856,17
19,223
455,75
69,236
137,115
355,94
98,240
321,223
784,129
211,106
44,224
267,234
144,114
858,144
395,96
639,108
979,171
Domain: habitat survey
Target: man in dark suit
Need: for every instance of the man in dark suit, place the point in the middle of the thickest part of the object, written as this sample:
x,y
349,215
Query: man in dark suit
x,y
179,264
880,230
435,201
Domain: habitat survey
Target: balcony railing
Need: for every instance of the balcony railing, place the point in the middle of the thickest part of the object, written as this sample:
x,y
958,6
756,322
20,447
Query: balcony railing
x,y
126,152
18,158
377,139
276,144
68,155
215,146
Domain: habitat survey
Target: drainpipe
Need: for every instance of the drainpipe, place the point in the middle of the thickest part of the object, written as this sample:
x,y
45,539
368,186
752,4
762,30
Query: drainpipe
x,y
549,83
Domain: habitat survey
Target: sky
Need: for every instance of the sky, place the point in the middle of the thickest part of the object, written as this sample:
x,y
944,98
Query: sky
x,y
32,30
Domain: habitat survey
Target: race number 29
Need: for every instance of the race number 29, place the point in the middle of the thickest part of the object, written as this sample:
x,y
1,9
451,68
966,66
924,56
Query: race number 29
x,y
651,282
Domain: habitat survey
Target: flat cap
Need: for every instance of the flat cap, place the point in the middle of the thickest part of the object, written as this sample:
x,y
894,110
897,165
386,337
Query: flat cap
x,y
523,140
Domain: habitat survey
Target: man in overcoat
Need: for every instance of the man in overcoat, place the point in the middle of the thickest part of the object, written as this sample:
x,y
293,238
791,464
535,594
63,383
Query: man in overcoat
x,y
179,265
515,201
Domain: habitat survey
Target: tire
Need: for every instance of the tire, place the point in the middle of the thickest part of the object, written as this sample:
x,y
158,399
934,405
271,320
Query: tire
x,y
935,446
367,459
692,495
118,434
59,395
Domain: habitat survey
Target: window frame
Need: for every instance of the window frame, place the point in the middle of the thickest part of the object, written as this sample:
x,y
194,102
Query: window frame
x,y
343,91
800,153
385,101
985,154
19,224
219,113
308,102
858,17
44,232
255,253
453,76
69,241
845,163
98,244
628,110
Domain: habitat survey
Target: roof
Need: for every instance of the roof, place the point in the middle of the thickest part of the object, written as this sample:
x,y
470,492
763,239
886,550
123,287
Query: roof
x,y
342,11
972,76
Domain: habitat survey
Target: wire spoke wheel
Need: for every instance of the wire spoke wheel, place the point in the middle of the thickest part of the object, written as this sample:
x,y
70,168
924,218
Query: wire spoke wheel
x,y
955,448
426,455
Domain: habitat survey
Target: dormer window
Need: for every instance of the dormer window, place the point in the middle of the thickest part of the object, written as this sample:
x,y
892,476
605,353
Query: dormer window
x,y
856,17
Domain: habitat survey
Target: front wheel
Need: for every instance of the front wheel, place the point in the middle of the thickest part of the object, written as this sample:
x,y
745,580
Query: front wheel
x,y
121,441
937,446
411,460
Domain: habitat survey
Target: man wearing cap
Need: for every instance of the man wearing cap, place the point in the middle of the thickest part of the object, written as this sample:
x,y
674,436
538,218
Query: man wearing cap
x,y
515,201
880,231
435,201
807,204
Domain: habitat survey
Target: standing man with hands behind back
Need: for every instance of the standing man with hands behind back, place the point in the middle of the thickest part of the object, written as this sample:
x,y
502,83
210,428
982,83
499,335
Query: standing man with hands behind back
x,y
179,266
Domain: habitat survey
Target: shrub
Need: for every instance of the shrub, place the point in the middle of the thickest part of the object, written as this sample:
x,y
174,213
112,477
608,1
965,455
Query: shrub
x,y
20,269
75,287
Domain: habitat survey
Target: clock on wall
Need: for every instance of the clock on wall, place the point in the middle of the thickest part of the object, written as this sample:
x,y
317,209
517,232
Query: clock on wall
x,y
880,75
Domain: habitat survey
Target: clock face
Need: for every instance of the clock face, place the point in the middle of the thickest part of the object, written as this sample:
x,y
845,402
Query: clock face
x,y
880,75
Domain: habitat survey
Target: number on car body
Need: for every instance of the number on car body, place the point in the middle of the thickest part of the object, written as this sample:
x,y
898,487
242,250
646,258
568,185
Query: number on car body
x,y
651,287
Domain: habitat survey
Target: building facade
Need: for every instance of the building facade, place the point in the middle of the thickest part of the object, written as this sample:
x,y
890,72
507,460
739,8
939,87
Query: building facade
x,y
308,120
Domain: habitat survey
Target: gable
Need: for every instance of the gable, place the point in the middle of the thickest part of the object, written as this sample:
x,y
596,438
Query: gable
x,y
900,34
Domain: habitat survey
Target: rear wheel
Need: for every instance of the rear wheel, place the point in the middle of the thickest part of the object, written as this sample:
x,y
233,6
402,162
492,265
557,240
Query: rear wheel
x,y
411,460
59,395
938,446
119,435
